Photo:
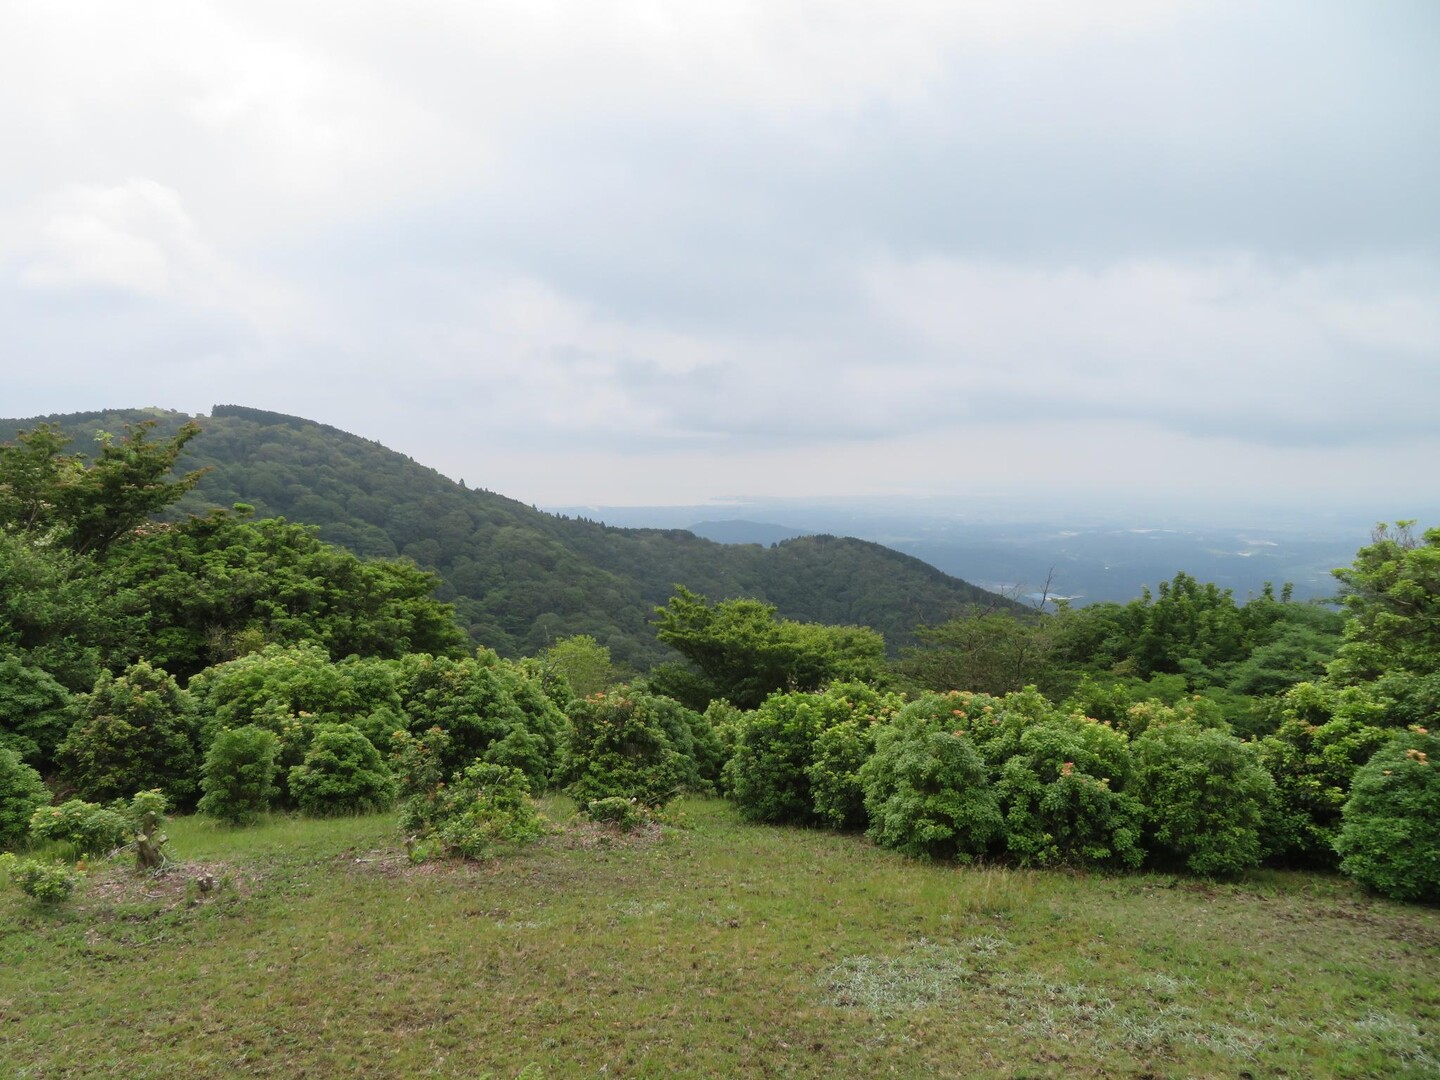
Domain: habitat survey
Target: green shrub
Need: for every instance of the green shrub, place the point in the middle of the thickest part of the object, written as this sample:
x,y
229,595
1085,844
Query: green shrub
x,y
928,793
625,814
239,775
34,712
1389,841
835,789
621,747
485,807
418,763
49,883
22,792
89,828
1205,797
147,818
769,775
342,773
1061,794
1323,739
491,710
133,733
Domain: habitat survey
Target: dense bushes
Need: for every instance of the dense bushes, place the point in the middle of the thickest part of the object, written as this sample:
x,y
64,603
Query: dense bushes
x,y
133,733
928,793
491,710
239,776
769,775
623,744
1064,798
342,773
88,828
484,807
22,792
1389,840
1205,797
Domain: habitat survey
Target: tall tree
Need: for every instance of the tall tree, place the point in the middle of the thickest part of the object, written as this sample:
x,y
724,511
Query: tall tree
x,y
743,652
90,504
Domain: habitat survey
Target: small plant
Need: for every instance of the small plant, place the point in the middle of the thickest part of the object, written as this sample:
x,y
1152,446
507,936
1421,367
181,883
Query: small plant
x,y
1388,841
22,792
343,773
239,778
48,883
89,828
627,815
147,817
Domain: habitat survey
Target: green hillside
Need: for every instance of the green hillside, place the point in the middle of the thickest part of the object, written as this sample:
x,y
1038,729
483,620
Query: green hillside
x,y
520,578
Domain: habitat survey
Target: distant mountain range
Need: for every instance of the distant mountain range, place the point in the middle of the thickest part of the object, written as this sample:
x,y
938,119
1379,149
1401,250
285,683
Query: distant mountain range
x,y
521,578
1094,557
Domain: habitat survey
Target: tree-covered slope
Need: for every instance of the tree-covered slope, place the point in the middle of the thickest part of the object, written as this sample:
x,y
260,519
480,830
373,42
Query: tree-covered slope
x,y
521,578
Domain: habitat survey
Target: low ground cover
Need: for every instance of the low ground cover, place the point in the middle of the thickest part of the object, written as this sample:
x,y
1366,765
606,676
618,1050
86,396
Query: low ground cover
x,y
716,948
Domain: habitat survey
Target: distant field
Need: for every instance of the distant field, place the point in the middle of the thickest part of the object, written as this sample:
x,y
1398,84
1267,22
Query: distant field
x,y
714,950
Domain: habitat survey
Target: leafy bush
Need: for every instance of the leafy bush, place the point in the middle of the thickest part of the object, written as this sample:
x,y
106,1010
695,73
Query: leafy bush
x,y
1205,796
89,828
1388,840
835,788
769,775
342,773
624,814
1325,737
290,692
621,746
22,792
491,710
239,775
49,883
928,793
1062,795
418,763
485,807
34,712
133,733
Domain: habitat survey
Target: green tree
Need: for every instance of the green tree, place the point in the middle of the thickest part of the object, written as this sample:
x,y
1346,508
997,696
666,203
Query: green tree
x,y
1388,841
624,744
583,661
132,733
1392,604
342,773
743,652
90,504
239,776
993,652
200,586
1205,796
22,792
34,712
928,792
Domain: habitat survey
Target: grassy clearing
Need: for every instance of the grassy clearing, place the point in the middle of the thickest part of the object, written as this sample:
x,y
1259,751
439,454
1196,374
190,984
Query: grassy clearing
x,y
720,949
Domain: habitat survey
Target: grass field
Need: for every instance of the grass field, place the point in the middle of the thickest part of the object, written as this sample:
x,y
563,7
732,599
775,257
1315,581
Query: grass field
x,y
715,949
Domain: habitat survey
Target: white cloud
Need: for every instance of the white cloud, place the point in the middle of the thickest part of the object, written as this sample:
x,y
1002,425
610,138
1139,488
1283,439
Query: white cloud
x,y
807,245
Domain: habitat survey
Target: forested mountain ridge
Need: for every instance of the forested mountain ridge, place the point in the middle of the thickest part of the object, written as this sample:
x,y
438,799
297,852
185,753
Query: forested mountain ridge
x,y
520,578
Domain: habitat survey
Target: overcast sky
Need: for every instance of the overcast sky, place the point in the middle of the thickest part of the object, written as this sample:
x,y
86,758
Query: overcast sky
x,y
646,252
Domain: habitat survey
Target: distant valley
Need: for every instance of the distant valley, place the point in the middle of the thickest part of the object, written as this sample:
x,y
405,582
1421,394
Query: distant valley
x,y
1093,561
